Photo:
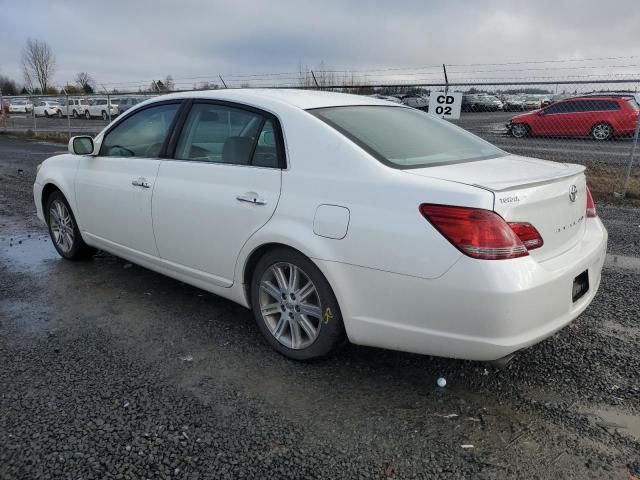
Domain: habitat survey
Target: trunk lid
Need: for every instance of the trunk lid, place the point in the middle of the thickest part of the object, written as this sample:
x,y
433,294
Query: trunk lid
x,y
528,190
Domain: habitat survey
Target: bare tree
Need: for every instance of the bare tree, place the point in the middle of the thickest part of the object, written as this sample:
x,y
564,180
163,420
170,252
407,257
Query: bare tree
x,y
85,81
38,63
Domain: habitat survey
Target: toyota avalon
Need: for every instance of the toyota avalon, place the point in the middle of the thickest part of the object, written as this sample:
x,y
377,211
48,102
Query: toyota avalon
x,y
335,218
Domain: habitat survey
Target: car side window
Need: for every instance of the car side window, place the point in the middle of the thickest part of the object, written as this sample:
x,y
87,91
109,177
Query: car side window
x,y
141,134
266,152
220,134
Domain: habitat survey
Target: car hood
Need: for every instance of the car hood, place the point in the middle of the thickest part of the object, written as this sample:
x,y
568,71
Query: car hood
x,y
502,173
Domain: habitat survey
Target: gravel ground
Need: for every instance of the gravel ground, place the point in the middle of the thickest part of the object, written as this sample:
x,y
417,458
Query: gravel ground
x,y
112,371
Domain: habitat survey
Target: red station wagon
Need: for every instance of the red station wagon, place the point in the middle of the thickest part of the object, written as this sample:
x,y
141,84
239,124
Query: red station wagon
x,y
600,117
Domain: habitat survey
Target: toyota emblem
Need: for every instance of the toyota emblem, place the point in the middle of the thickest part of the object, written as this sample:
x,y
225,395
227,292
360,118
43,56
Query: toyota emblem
x,y
573,192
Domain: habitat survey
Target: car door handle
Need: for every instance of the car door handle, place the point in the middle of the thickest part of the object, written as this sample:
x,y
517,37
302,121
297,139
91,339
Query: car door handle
x,y
141,182
251,198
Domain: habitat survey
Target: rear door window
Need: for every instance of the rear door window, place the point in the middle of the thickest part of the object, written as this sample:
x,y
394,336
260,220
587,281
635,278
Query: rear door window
x,y
223,134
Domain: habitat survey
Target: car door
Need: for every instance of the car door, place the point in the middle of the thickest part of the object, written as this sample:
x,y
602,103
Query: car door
x,y
114,188
553,120
222,185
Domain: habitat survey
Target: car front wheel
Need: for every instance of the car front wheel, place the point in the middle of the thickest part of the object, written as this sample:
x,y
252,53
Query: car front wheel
x,y
519,130
294,306
63,229
601,131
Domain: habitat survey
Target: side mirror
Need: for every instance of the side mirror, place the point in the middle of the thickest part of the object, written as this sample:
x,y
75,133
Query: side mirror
x,y
81,145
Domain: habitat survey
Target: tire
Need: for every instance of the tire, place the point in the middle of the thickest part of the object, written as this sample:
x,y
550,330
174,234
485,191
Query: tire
x,y
75,114
46,114
601,131
63,229
319,333
474,108
59,114
87,115
105,117
520,130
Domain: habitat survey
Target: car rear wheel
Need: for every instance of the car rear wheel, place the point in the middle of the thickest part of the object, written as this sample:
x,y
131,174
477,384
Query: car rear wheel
x,y
63,229
601,131
519,130
294,306
75,114
87,115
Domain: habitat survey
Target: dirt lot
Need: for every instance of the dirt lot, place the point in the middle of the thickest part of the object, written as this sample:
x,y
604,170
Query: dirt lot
x,y
111,371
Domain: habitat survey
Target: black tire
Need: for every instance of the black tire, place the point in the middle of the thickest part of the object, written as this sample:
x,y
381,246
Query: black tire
x,y
59,113
75,114
46,114
78,250
105,117
601,131
87,115
331,336
520,130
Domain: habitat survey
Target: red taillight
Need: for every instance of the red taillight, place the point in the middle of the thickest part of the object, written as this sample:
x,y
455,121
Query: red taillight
x,y
475,232
591,205
527,234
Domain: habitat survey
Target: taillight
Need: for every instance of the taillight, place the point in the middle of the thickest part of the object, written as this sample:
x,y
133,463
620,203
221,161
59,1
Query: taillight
x,y
479,233
591,205
527,233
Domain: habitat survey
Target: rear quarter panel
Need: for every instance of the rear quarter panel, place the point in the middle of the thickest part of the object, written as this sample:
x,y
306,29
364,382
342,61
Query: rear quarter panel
x,y
386,230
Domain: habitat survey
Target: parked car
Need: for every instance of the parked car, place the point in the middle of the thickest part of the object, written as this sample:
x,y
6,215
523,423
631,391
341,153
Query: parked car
x,y
47,108
513,103
20,106
480,103
599,117
74,107
532,102
415,101
97,107
377,224
126,103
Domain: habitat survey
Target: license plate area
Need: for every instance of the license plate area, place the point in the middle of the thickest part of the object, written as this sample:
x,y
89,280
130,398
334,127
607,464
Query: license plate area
x,y
580,286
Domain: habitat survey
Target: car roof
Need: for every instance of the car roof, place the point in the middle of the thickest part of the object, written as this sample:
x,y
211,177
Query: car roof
x,y
303,99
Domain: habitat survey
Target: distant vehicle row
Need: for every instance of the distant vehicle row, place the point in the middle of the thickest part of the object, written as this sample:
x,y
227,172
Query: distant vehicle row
x,y
73,107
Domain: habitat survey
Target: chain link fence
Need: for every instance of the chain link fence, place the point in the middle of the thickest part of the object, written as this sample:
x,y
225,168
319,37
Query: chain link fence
x,y
593,123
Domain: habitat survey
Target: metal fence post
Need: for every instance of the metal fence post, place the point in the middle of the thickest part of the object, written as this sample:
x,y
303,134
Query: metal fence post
x,y
627,177
35,124
109,107
68,118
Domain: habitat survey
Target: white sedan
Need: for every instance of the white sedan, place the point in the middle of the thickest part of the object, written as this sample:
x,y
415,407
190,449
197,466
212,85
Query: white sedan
x,y
335,218
47,108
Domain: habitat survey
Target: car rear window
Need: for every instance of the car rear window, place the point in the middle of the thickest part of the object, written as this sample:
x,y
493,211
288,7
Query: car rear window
x,y
403,137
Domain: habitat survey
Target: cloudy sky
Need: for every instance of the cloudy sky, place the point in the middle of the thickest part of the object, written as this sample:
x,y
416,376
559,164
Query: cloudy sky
x,y
127,43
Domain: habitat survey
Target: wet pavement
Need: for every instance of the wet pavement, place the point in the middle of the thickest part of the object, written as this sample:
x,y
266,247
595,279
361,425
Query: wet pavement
x,y
112,371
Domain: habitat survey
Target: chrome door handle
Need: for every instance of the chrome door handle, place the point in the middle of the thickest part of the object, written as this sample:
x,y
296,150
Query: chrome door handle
x,y
141,182
251,198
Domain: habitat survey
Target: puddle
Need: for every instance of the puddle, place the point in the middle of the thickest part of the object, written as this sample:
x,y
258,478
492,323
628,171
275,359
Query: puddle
x,y
27,252
622,261
624,422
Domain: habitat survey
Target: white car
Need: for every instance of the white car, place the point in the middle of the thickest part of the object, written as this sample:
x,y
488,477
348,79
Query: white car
x,y
74,107
335,218
47,108
97,107
20,106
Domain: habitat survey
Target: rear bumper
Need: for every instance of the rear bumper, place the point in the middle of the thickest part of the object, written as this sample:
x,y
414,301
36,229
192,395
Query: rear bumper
x,y
478,310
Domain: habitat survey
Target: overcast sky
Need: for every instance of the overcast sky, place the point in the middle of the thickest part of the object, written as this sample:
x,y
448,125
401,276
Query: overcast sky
x,y
135,40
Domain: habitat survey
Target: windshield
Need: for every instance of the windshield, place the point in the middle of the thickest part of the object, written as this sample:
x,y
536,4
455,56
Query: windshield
x,y
406,138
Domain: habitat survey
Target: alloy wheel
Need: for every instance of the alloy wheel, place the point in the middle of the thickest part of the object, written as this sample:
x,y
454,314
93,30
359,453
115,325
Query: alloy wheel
x,y
602,131
62,227
290,305
518,130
